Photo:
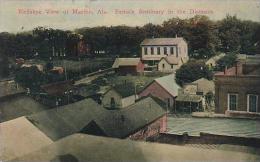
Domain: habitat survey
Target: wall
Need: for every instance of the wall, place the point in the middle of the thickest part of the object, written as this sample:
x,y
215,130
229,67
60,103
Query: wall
x,y
153,129
167,67
106,100
242,85
204,138
158,91
157,56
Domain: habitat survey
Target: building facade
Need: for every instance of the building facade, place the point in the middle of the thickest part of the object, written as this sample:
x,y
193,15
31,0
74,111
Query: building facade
x,y
156,48
237,89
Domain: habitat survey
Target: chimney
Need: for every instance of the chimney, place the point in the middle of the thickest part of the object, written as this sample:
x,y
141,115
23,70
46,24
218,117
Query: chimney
x,y
225,70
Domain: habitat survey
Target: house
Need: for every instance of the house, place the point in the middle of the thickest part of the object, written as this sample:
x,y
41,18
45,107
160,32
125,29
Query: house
x,y
154,49
58,88
237,89
39,66
170,64
144,118
119,96
57,70
165,88
196,96
213,60
126,66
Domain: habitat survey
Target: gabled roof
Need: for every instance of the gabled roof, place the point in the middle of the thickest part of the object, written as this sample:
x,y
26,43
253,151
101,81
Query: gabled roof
x,y
169,84
127,121
205,85
20,137
171,60
162,41
215,58
58,88
80,116
18,106
126,62
124,90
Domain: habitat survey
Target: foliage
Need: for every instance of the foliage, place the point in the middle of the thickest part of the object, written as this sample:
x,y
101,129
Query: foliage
x,y
29,77
191,71
227,61
203,35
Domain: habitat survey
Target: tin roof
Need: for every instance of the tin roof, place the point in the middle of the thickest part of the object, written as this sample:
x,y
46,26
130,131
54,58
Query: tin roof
x,y
169,84
126,62
162,41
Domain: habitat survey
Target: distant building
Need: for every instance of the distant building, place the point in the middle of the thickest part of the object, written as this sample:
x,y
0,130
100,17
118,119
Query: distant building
x,y
119,96
170,64
165,88
154,49
39,66
238,88
10,88
213,60
57,70
196,96
126,66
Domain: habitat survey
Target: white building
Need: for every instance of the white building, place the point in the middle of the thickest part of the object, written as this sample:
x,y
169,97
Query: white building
x,y
154,49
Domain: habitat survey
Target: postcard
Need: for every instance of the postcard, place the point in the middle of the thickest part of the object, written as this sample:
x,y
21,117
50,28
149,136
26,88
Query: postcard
x,y
130,80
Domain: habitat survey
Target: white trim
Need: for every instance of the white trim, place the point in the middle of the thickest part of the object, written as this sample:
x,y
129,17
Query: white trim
x,y
228,97
248,102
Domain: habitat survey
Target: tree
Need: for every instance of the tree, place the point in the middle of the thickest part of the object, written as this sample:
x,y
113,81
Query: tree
x,y
29,77
227,61
191,71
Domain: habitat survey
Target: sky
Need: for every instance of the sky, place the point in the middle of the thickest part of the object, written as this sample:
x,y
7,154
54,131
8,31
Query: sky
x,y
24,15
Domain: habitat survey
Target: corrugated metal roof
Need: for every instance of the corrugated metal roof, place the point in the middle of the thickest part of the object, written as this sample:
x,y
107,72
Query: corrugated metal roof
x,y
217,126
126,62
162,41
168,83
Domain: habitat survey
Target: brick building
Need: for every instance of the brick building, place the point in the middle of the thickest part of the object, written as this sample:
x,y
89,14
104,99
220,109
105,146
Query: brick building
x,y
237,89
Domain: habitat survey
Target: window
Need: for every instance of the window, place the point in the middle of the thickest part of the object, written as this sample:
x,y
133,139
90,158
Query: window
x,y
163,66
252,103
158,51
232,101
152,51
145,50
112,103
168,102
165,50
172,66
172,51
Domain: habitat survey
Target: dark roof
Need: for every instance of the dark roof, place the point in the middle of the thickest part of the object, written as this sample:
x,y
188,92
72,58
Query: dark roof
x,y
66,120
17,106
124,90
58,88
63,121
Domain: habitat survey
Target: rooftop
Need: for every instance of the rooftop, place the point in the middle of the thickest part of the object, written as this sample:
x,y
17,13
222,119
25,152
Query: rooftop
x,y
217,126
169,84
20,137
126,62
80,147
162,41
18,106
76,117
205,85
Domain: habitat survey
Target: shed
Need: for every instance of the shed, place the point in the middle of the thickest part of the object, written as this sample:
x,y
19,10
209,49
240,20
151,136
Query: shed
x,y
126,66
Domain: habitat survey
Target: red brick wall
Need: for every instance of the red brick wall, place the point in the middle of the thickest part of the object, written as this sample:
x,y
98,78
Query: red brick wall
x,y
158,126
140,67
157,91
